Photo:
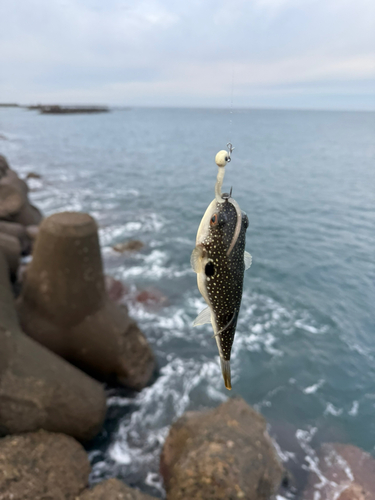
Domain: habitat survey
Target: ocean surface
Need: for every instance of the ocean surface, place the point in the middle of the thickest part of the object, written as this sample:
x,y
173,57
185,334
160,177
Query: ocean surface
x,y
304,351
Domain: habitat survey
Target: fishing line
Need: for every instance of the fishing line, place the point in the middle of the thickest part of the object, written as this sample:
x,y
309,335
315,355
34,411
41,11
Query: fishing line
x,y
229,144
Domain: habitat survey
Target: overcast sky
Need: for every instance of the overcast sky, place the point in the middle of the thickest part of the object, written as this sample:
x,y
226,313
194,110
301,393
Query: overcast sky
x,y
278,53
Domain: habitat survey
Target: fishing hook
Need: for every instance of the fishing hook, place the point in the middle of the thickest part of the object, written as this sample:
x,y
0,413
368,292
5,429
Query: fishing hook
x,y
230,149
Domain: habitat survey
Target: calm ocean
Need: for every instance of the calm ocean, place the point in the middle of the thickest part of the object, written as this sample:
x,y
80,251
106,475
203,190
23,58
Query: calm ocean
x,y
304,352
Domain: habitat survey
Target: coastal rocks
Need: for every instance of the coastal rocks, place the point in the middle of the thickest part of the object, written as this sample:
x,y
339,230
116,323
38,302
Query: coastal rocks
x,y
39,390
14,203
17,231
113,489
41,466
128,246
63,304
223,453
346,473
4,166
11,249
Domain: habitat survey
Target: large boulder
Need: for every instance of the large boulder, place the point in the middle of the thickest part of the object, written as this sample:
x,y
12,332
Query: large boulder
x,y
223,453
39,390
42,466
64,305
346,473
113,489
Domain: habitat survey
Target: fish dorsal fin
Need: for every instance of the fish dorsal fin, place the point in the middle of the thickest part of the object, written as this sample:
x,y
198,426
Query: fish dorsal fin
x,y
203,317
248,260
195,259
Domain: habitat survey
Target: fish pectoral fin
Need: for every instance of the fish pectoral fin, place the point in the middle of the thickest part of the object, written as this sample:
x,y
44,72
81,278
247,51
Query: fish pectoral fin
x,y
248,260
196,259
232,320
203,317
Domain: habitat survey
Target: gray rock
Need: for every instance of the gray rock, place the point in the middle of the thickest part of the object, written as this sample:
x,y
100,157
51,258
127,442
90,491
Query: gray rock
x,y
42,466
221,454
113,489
64,305
39,390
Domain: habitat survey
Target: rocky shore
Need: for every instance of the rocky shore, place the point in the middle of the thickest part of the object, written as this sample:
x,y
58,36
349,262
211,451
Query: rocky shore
x,y
64,333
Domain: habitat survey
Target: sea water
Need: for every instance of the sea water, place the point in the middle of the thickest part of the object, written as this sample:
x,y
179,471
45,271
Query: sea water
x,y
304,351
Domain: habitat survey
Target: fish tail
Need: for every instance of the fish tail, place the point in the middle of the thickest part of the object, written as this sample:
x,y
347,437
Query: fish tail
x,y
225,369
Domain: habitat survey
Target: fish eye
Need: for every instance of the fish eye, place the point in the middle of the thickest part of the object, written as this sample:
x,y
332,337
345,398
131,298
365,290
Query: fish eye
x,y
214,220
209,269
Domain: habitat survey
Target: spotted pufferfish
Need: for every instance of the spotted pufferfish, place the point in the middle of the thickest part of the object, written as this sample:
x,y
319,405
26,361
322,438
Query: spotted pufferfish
x,y
220,260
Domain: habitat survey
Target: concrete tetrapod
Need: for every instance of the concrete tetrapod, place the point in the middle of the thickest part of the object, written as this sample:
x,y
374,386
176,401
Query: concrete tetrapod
x,y
64,305
39,390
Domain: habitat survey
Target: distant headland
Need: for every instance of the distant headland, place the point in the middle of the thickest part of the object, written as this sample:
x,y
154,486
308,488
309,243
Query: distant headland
x,y
57,109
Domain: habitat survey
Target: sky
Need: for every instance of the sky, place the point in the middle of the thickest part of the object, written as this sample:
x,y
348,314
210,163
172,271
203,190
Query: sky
x,y
309,54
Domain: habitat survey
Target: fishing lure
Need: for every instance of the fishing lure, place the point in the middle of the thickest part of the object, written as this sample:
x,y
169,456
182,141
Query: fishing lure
x,y
220,260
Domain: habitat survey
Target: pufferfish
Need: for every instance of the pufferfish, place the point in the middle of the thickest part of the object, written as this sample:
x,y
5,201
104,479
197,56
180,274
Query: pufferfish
x,y
220,260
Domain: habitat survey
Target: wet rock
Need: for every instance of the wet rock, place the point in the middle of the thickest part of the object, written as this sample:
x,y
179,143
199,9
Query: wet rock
x,y
64,306
33,175
346,473
115,288
18,231
129,246
223,453
113,489
151,297
42,466
39,390
11,249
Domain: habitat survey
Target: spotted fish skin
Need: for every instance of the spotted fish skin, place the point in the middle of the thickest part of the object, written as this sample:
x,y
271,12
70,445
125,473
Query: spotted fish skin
x,y
219,262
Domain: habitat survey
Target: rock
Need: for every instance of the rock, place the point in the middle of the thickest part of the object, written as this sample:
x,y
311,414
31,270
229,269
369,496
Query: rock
x,y
11,249
11,201
151,297
19,232
28,216
39,390
33,175
4,166
223,453
115,288
347,473
63,304
14,203
42,466
128,246
32,232
113,489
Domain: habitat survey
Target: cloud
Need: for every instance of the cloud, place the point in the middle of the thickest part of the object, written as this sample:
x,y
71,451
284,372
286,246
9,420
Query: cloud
x,y
145,51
